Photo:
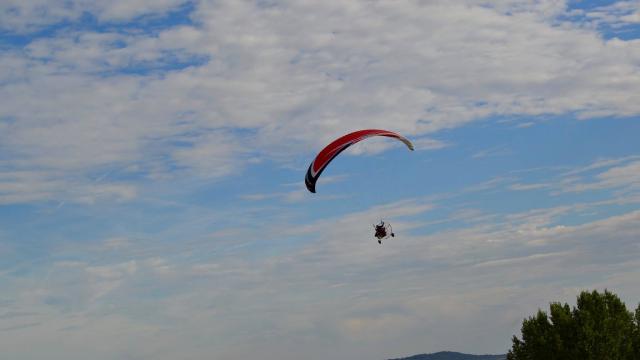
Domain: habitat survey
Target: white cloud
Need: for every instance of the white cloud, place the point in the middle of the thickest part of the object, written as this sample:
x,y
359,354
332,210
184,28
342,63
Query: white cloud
x,y
34,186
625,176
429,144
116,243
336,285
618,175
600,163
212,155
304,72
616,14
525,187
500,150
24,16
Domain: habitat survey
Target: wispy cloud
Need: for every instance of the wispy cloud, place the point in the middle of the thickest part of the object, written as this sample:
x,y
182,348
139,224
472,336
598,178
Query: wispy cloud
x,y
33,15
617,14
492,152
620,174
515,256
525,187
429,144
612,174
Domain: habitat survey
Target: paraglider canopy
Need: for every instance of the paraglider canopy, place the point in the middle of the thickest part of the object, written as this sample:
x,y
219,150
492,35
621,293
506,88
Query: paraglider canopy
x,y
326,155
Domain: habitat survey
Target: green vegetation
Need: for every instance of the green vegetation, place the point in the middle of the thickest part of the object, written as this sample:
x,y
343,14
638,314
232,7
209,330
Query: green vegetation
x,y
599,328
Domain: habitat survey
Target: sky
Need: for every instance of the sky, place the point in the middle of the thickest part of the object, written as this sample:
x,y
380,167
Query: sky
x,y
153,152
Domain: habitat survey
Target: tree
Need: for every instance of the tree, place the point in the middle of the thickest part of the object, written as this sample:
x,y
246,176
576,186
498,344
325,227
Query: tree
x,y
599,328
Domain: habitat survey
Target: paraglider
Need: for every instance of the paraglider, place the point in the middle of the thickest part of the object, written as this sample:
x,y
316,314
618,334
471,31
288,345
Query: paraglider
x,y
332,150
383,231
326,155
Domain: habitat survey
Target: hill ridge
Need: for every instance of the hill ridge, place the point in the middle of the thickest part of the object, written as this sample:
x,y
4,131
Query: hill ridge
x,y
452,355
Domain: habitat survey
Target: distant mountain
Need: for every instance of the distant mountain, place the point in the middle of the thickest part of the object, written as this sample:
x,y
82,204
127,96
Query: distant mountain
x,y
449,355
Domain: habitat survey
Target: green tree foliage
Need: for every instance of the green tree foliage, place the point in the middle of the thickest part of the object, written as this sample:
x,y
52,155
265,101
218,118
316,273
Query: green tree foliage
x,y
599,327
636,335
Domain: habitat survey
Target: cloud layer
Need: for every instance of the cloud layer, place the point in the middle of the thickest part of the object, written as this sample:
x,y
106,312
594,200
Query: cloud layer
x,y
244,76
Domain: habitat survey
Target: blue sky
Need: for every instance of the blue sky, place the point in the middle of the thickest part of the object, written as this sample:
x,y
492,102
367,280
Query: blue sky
x,y
152,156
